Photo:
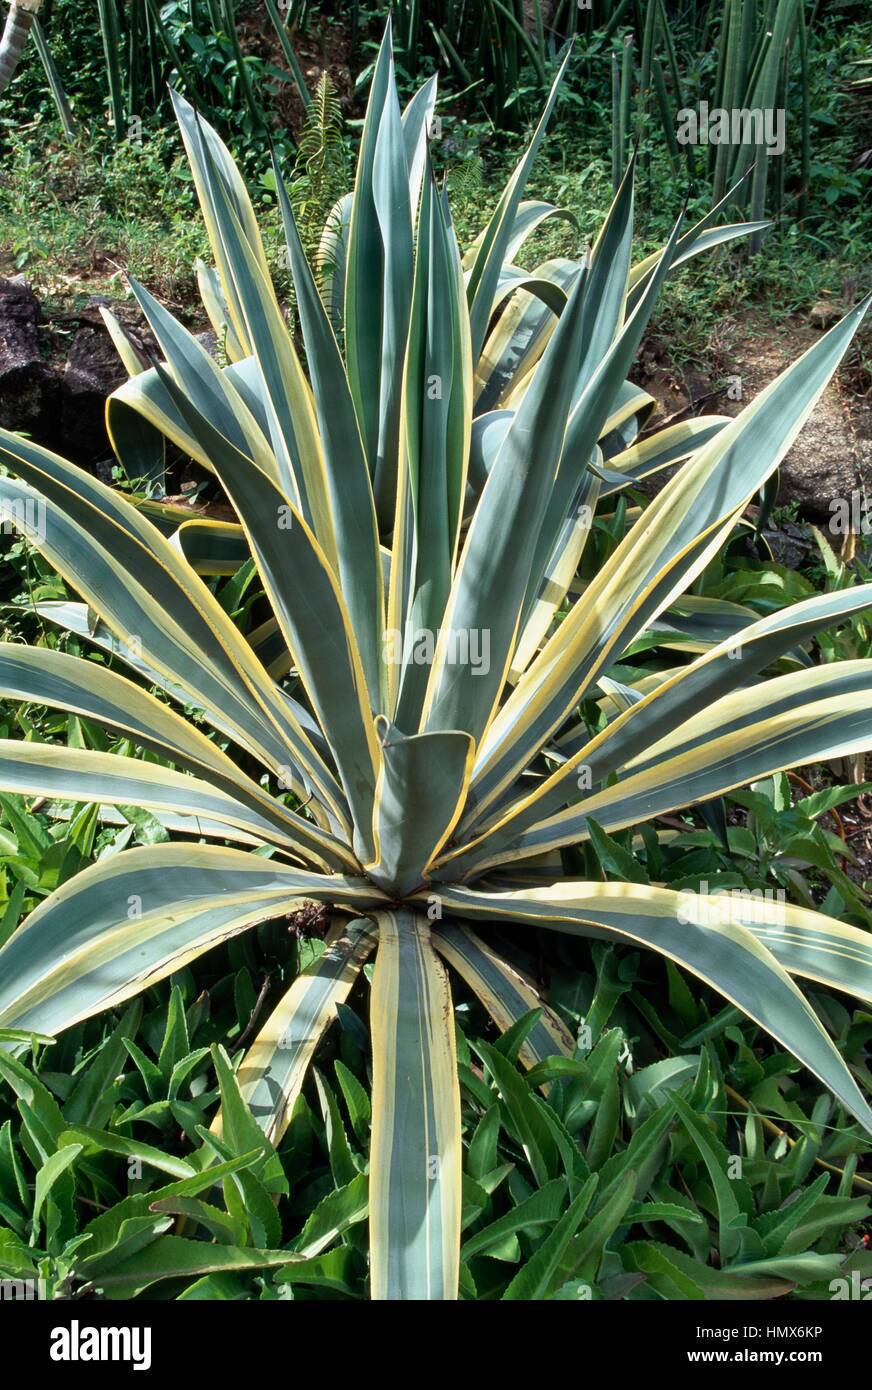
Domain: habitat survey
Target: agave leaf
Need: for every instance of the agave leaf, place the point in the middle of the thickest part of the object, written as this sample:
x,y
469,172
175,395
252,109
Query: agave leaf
x,y
133,919
311,612
378,282
505,993
737,740
273,1069
708,936
45,676
530,214
420,795
417,120
212,295
415,1154
134,578
597,386
520,334
703,689
492,572
669,546
435,447
346,474
668,446
78,774
492,251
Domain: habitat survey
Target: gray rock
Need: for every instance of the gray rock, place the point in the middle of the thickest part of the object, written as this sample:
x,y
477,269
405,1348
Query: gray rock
x,y
29,388
92,372
55,377
824,314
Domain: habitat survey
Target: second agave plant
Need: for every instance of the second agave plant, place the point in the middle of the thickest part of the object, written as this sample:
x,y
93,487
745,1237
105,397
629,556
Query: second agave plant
x,y
403,740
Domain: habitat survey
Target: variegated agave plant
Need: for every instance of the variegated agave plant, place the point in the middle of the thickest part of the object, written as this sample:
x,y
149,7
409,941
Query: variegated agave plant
x,y
416,507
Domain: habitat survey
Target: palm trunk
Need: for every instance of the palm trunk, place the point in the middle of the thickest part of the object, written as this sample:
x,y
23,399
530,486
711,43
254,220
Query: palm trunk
x,y
18,23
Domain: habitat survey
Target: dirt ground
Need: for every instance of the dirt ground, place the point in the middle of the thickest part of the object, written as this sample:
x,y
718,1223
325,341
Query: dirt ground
x,y
832,457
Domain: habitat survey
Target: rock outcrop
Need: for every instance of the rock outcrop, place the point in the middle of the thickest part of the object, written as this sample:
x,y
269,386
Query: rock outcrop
x,y
55,374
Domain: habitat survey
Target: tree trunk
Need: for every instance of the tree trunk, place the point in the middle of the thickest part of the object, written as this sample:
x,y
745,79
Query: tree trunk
x,y
18,23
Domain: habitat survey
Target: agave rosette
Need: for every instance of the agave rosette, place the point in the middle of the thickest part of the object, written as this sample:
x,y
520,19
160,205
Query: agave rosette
x,y
416,503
